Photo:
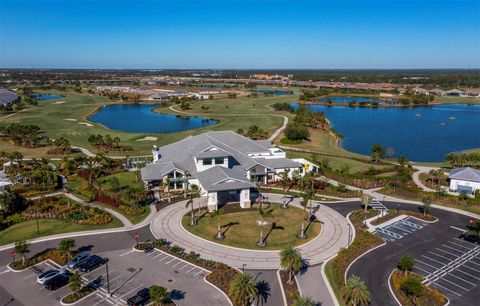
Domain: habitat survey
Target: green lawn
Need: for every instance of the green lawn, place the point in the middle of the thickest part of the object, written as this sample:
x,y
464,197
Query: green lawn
x,y
51,118
457,100
126,179
134,219
28,229
241,229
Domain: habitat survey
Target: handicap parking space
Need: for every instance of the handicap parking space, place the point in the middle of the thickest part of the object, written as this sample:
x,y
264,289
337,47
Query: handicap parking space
x,y
452,267
400,229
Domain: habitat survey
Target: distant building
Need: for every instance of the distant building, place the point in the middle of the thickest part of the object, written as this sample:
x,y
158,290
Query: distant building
x,y
474,92
159,96
7,97
437,92
420,91
464,180
455,92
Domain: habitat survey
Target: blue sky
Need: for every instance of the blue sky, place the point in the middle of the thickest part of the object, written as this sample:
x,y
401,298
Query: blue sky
x,y
240,34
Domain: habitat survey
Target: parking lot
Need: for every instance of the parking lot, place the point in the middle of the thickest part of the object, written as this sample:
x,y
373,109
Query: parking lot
x,y
129,272
400,229
452,267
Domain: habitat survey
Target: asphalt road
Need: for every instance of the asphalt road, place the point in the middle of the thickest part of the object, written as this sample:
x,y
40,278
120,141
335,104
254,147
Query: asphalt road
x,y
375,267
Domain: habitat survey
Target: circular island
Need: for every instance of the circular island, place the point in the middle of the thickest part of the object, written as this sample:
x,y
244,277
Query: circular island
x,y
241,228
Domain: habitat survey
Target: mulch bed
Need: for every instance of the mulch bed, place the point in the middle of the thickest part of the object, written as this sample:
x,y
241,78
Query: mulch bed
x,y
291,290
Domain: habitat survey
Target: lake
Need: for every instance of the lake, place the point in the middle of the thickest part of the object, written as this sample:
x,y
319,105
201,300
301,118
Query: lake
x,y
425,133
46,96
140,118
348,99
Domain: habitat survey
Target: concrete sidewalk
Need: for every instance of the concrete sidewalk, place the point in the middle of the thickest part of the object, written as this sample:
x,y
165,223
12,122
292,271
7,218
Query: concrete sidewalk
x,y
311,284
335,235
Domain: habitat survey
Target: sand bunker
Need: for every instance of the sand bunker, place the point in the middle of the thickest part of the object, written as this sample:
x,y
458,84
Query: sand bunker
x,y
59,102
70,119
86,124
148,138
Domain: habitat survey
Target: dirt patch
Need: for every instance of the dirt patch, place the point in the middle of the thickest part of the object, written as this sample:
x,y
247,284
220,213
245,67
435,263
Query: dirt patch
x,y
291,290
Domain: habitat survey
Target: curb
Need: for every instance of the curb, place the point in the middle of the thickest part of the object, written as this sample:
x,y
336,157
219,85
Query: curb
x,y
390,287
77,301
281,288
361,255
327,283
221,291
352,227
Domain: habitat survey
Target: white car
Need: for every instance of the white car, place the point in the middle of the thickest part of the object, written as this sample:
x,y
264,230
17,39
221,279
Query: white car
x,y
43,277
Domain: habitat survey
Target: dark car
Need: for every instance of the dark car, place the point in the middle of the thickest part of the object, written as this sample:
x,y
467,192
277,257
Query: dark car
x,y
91,264
470,238
56,282
141,298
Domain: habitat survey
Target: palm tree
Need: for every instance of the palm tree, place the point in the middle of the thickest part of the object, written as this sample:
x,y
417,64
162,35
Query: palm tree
x,y
452,158
285,183
356,292
160,295
216,214
75,283
291,260
242,289
66,245
304,301
194,193
264,214
427,202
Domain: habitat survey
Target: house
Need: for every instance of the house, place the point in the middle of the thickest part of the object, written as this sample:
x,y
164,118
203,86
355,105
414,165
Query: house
x,y
159,96
7,97
464,180
437,92
4,181
224,164
420,91
474,92
455,92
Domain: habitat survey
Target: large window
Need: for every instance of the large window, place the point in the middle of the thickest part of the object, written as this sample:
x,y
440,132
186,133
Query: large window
x,y
218,160
207,161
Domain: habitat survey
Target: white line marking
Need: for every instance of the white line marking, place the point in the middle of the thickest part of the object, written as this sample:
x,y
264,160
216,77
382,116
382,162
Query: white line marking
x,y
417,267
461,279
197,273
462,246
190,270
442,263
454,249
183,267
458,229
456,256
467,274
436,284
6,271
431,260
177,264
136,288
168,262
164,258
126,253
465,265
159,254
441,256
446,280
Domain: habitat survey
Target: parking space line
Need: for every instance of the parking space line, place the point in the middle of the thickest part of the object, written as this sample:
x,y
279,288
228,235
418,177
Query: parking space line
x,y
417,267
197,273
442,263
445,288
456,256
170,261
446,280
454,249
27,277
462,246
461,279
471,261
467,274
190,270
164,258
441,256
471,268
424,263
186,265
136,288
159,254
179,262
126,253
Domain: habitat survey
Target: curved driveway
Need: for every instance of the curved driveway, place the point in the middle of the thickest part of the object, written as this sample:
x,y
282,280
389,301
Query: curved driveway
x,y
334,235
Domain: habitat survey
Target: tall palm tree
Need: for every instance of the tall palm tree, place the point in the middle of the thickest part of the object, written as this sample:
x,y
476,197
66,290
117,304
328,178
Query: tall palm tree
x,y
285,183
304,301
265,215
291,260
242,289
194,193
356,292
217,214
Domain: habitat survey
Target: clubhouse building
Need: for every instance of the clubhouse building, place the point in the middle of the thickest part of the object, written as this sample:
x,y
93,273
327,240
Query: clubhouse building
x,y
223,164
464,180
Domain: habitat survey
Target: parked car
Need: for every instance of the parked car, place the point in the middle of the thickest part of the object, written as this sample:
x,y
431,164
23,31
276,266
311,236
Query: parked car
x,y
141,298
470,238
148,248
57,281
91,263
79,258
45,276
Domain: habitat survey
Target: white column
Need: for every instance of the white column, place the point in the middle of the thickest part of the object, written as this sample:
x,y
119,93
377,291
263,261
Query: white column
x,y
245,198
212,201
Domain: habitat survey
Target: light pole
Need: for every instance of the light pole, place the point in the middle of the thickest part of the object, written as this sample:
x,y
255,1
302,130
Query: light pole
x,y
243,268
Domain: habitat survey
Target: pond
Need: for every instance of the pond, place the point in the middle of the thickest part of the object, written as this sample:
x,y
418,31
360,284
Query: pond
x,y
277,92
348,99
140,118
46,96
425,133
